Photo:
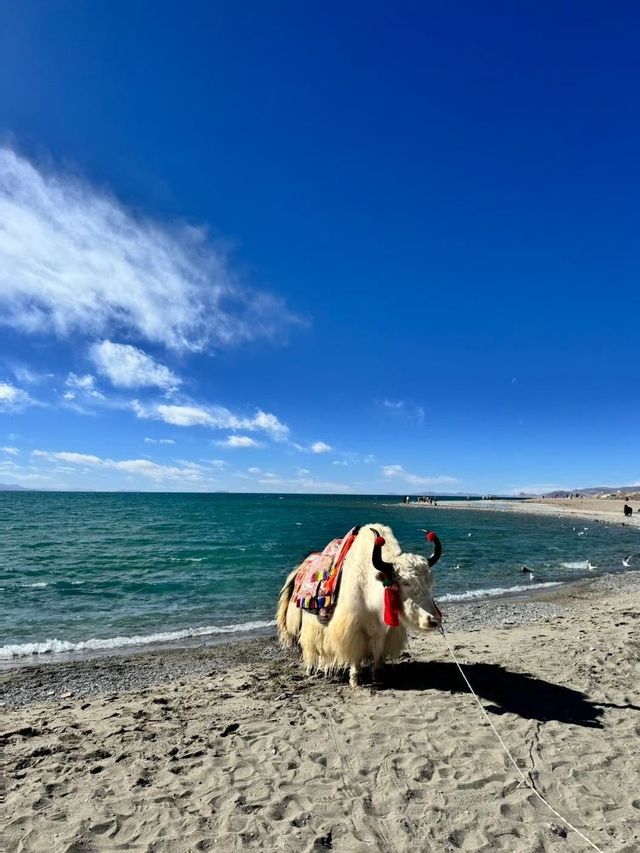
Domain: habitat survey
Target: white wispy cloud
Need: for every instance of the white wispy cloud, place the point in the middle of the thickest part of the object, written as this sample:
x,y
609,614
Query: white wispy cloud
x,y
126,366
215,417
188,472
11,451
73,259
405,410
28,376
398,472
183,416
159,441
314,447
238,441
83,387
320,447
13,399
303,484
154,471
67,456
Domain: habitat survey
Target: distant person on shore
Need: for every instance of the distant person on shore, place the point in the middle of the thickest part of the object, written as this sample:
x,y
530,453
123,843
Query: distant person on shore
x,y
627,510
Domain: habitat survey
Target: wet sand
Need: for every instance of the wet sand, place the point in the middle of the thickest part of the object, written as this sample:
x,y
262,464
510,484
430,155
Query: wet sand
x,y
234,747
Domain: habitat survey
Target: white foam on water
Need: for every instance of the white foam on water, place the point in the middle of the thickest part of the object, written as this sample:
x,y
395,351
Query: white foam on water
x,y
186,559
471,594
38,585
579,564
55,646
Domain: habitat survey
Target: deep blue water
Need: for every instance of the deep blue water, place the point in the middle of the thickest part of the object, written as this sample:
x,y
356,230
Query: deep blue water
x,y
81,567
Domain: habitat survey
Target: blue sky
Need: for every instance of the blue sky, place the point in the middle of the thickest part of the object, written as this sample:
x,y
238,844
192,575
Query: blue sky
x,y
328,247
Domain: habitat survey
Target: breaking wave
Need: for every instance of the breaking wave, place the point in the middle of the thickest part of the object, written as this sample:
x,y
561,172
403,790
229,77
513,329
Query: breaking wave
x,y
471,594
55,646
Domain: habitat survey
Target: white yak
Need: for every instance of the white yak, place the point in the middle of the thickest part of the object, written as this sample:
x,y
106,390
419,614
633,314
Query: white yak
x,y
360,630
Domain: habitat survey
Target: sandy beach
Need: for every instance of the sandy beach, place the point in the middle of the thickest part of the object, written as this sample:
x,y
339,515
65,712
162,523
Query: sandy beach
x,y
234,747
594,509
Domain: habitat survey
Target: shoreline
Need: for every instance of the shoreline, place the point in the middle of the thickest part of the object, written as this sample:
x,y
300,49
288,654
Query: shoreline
x,y
599,510
519,592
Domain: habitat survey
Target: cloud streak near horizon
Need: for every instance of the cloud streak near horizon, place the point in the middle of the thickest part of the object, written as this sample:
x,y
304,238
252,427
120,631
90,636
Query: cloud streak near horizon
x,y
73,260
186,472
397,472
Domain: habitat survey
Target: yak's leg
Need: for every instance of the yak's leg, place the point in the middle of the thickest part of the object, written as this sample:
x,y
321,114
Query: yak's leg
x,y
354,673
377,659
378,670
310,639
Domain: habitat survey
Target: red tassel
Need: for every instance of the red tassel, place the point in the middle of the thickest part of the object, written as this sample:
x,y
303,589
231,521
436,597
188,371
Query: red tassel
x,y
391,606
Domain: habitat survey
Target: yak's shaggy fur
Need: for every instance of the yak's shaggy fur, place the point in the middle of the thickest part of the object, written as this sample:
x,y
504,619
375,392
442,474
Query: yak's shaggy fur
x,y
357,633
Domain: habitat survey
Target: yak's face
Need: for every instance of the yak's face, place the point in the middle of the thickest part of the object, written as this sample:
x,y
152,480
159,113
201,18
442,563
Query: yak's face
x,y
415,580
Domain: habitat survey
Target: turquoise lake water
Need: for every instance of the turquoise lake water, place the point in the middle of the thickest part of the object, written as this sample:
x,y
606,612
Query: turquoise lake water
x,y
93,571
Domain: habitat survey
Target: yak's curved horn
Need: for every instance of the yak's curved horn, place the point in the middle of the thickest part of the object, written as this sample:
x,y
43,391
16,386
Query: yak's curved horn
x,y
378,563
437,547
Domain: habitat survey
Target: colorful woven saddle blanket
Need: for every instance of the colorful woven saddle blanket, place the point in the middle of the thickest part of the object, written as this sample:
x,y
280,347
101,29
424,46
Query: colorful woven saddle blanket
x,y
317,581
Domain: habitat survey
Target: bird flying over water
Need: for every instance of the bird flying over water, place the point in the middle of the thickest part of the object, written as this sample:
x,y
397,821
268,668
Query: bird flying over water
x,y
626,563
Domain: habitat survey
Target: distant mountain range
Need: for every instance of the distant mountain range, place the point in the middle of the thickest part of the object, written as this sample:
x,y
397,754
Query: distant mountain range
x,y
594,491
7,487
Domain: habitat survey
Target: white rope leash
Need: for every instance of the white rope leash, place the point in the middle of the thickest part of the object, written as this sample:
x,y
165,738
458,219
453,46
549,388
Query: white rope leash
x,y
525,779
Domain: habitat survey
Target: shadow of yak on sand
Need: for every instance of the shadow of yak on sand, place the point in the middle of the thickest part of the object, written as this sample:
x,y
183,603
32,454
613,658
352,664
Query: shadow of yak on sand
x,y
509,692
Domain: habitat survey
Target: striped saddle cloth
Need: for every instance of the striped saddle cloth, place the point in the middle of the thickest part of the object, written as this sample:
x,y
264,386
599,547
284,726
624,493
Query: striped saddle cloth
x,y
316,584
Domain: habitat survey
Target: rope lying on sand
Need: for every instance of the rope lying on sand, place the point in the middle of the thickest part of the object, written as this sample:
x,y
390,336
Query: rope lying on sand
x,y
525,779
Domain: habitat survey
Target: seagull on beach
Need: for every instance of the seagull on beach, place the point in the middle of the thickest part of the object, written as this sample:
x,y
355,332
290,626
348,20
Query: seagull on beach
x,y
626,563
